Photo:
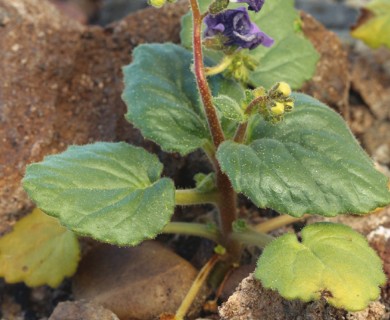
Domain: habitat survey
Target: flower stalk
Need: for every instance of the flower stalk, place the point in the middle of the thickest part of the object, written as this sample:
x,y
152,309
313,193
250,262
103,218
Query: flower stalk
x,y
227,200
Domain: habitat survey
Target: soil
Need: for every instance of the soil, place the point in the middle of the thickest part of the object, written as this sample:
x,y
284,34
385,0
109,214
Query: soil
x,y
61,85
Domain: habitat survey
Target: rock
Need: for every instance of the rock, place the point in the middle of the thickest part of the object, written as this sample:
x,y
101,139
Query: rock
x,y
61,85
71,310
136,283
370,74
252,301
376,140
331,81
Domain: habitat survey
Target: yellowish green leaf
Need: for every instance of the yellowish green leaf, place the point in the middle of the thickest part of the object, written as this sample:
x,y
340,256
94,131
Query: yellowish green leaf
x,y
38,251
373,26
331,261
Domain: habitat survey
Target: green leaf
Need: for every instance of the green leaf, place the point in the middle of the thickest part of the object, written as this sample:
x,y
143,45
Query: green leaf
x,y
162,98
374,25
332,261
292,58
309,163
109,191
39,251
229,108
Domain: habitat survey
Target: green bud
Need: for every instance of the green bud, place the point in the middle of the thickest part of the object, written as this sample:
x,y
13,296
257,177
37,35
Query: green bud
x,y
218,5
288,106
259,92
220,250
239,225
277,109
284,89
157,3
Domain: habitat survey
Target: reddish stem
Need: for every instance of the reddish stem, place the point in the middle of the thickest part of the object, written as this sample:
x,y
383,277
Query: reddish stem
x,y
227,202
204,89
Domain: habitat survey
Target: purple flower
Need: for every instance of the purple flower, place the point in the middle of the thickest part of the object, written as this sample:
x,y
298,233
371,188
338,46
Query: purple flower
x,y
254,5
235,26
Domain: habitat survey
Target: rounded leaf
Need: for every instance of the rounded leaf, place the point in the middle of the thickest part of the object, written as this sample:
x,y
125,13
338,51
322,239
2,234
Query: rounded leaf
x,y
332,261
109,191
39,251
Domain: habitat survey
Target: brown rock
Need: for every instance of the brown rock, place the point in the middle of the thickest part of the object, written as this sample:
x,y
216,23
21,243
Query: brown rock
x,y
331,81
376,141
136,283
61,85
370,74
72,310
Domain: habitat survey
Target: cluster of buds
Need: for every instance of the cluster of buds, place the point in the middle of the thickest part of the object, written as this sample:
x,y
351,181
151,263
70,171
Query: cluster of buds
x,y
159,3
240,67
274,103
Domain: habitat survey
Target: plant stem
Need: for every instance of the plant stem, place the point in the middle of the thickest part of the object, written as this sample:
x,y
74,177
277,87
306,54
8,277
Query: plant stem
x,y
253,237
239,136
192,229
220,67
195,288
227,197
186,197
204,89
277,222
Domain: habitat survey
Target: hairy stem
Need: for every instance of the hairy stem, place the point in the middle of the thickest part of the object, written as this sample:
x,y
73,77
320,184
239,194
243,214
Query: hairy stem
x,y
192,229
186,197
227,197
203,86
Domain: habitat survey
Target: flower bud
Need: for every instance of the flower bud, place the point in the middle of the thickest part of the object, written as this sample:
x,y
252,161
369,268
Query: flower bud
x,y
218,5
157,3
288,106
277,109
284,88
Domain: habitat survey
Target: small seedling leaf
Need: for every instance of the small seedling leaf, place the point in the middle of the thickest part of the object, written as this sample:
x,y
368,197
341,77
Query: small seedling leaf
x,y
374,25
292,58
163,101
229,108
109,191
308,163
39,251
332,261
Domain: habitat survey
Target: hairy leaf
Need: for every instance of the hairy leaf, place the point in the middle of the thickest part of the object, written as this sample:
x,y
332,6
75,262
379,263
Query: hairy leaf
x,y
332,261
163,101
109,191
39,251
373,26
292,58
309,163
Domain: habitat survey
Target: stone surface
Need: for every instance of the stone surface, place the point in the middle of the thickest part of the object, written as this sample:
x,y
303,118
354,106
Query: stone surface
x,y
251,301
331,81
136,283
72,310
370,75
